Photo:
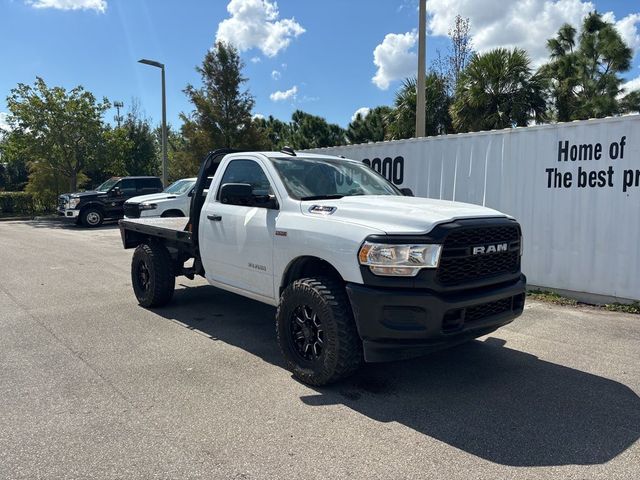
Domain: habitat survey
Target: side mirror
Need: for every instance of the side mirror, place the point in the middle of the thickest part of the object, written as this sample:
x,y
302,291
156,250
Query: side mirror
x,y
407,192
190,194
264,200
237,194
116,192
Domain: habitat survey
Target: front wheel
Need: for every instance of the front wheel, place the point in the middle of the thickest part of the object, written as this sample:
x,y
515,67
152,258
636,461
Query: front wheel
x,y
316,331
152,275
92,217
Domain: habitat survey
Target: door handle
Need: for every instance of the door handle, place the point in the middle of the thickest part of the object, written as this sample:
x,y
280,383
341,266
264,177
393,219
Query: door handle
x,y
215,218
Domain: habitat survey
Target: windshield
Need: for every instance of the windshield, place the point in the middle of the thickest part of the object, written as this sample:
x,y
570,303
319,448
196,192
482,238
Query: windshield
x,y
107,185
317,178
179,187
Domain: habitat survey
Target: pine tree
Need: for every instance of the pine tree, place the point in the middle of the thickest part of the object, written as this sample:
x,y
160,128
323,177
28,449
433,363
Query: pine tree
x,y
222,109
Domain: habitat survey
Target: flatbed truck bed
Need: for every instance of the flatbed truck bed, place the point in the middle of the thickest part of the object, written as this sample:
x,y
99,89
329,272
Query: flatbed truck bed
x,y
172,229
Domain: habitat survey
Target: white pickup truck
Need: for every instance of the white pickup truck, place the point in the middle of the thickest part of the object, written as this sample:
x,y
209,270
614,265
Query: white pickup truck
x,y
174,201
359,270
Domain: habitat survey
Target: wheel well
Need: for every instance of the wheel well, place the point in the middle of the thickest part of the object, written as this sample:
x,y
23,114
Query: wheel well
x,y
174,211
97,206
303,267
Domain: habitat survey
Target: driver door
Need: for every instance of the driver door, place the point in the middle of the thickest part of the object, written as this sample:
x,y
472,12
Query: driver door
x,y
236,243
119,193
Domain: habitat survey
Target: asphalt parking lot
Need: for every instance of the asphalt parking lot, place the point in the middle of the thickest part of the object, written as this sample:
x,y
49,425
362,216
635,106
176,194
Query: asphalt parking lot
x,y
94,386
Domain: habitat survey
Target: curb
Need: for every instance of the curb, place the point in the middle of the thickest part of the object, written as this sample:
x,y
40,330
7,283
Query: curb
x,y
14,219
23,219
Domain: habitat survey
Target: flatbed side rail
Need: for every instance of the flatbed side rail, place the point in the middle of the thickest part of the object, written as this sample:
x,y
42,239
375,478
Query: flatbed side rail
x,y
133,233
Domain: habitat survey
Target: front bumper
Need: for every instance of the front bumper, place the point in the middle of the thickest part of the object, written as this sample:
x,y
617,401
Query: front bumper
x,y
395,324
68,212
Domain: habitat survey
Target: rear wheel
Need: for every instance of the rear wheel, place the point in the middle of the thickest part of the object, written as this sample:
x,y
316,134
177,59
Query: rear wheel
x,y
152,275
316,331
92,217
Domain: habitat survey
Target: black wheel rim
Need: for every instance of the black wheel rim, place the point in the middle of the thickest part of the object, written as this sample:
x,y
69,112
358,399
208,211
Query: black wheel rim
x,y
306,334
143,276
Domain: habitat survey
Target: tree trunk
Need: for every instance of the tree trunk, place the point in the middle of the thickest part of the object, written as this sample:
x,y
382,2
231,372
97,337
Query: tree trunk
x,y
73,182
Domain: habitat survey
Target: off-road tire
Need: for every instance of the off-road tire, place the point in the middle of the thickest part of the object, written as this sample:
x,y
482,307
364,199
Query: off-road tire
x,y
342,347
92,217
161,281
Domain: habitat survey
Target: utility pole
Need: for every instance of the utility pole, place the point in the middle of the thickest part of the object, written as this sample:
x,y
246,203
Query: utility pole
x,y
165,171
421,107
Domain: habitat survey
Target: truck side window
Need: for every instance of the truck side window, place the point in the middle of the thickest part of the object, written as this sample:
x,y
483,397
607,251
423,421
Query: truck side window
x,y
148,185
128,186
246,171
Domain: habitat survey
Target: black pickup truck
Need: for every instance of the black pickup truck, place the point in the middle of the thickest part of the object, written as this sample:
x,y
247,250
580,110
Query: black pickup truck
x,y
106,201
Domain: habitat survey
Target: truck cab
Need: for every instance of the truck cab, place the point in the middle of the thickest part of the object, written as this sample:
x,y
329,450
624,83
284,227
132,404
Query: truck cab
x,y
359,271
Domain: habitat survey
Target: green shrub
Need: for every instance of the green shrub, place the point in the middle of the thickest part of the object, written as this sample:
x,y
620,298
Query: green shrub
x,y
16,204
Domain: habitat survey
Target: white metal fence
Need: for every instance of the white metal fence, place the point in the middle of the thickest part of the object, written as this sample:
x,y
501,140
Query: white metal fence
x,y
574,187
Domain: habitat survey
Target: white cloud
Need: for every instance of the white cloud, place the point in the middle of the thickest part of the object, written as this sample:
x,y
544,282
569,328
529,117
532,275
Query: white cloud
x,y
97,5
276,75
394,58
280,96
630,86
257,116
362,111
4,126
628,29
526,24
255,60
255,24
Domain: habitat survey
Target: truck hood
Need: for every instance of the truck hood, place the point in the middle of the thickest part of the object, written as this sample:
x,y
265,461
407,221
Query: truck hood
x,y
152,197
399,215
90,193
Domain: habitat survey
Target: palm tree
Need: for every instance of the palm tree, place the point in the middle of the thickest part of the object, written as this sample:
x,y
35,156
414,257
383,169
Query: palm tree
x,y
402,119
498,90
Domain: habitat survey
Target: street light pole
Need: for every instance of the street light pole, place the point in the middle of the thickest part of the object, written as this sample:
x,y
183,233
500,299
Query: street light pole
x,y
159,65
421,107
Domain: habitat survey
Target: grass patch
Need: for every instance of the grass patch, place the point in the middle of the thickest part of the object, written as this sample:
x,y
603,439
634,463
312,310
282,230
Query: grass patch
x,y
557,299
624,307
551,297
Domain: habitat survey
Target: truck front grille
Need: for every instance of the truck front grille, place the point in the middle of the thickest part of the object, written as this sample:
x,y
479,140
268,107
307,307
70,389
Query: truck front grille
x,y
456,320
487,310
132,210
458,264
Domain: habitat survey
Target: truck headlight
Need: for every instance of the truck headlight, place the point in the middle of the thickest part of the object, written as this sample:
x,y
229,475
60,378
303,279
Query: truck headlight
x,y
148,206
73,202
399,260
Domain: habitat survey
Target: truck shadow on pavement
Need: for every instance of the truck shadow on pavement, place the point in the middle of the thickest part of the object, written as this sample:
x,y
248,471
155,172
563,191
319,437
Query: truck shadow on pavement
x,y
497,403
62,224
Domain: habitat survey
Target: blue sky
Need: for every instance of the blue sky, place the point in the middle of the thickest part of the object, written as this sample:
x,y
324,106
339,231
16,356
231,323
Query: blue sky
x,y
328,57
